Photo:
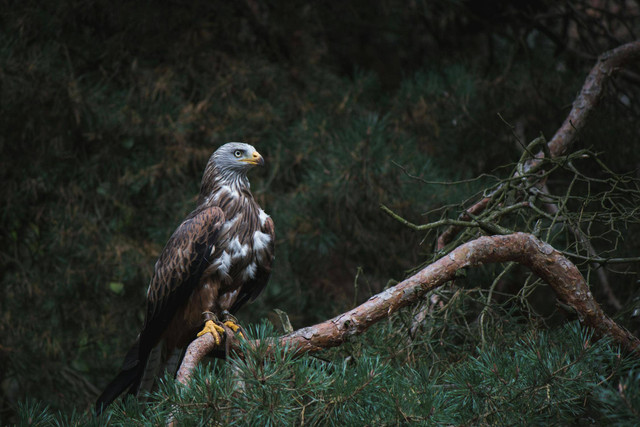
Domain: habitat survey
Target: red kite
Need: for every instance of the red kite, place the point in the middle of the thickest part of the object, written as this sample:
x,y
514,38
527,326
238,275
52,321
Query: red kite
x,y
217,260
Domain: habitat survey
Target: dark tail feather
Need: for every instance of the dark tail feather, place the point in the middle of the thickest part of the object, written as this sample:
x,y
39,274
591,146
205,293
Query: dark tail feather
x,y
124,380
128,378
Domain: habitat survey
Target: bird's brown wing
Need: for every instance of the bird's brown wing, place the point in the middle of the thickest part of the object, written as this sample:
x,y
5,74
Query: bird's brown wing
x,y
177,273
179,270
254,287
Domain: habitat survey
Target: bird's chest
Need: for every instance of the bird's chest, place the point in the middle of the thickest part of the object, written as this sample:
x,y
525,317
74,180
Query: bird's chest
x,y
239,251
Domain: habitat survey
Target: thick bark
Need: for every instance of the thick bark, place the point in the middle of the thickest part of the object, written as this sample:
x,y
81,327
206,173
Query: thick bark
x,y
590,94
196,351
526,249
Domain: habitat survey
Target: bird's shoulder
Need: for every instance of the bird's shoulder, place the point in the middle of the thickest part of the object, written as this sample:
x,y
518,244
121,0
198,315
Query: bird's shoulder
x,y
182,260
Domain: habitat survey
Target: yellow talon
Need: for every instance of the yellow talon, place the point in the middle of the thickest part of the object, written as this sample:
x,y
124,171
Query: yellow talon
x,y
213,329
234,327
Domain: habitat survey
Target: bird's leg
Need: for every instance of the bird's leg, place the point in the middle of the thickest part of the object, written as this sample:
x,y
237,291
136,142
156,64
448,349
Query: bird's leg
x,y
213,326
232,323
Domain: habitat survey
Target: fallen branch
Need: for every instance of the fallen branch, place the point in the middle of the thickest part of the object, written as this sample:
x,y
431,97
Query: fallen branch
x,y
526,249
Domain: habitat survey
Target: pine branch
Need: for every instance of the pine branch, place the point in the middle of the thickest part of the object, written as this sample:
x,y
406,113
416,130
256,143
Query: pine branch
x,y
526,249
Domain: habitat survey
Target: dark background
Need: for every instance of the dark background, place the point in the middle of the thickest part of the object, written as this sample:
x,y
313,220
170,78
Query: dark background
x,y
110,110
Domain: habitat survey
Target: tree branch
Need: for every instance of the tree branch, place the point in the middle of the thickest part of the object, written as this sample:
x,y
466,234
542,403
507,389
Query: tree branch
x,y
547,263
586,101
526,249
590,94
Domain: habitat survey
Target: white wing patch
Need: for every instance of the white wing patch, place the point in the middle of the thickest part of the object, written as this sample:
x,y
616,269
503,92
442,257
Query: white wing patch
x,y
237,250
224,264
260,240
250,271
263,217
230,223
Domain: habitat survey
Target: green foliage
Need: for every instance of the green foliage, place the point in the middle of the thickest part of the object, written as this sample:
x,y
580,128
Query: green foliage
x,y
111,109
557,377
620,401
34,413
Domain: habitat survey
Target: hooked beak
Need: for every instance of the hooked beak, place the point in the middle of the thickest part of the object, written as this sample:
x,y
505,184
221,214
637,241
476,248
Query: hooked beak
x,y
255,159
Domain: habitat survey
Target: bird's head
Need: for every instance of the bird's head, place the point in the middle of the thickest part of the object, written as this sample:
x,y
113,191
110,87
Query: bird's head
x,y
229,165
236,157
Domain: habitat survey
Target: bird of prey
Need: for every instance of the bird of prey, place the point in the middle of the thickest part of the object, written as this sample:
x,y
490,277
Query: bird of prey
x,y
217,260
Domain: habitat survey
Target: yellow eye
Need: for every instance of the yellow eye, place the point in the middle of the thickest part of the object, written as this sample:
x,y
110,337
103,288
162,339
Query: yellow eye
x,y
238,153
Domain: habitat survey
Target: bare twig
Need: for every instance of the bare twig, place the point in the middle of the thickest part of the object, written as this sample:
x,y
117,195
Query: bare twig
x,y
564,138
448,235
602,274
